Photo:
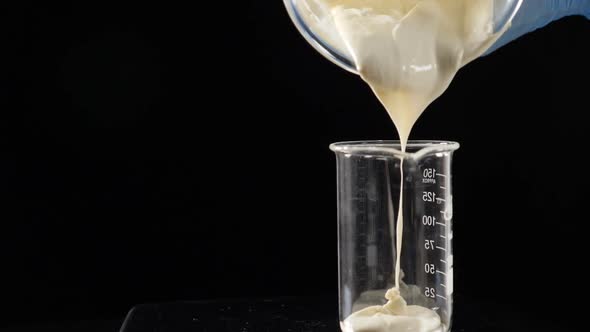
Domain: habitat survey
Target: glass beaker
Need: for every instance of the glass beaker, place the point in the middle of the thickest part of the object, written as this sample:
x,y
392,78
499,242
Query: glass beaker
x,y
368,175
310,18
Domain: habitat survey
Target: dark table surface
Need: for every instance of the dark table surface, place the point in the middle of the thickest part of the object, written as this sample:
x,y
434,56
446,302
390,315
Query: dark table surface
x,y
317,315
294,315
113,325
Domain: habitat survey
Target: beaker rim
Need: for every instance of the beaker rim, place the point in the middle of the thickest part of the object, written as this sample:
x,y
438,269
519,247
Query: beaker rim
x,y
414,148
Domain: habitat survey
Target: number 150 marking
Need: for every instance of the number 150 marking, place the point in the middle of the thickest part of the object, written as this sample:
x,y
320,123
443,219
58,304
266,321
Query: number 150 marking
x,y
429,173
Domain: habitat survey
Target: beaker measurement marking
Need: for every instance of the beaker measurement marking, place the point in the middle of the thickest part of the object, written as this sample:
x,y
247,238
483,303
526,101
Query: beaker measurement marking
x,y
439,223
442,260
429,268
444,237
441,248
429,196
441,272
429,173
441,175
443,188
442,297
429,244
440,200
443,285
428,220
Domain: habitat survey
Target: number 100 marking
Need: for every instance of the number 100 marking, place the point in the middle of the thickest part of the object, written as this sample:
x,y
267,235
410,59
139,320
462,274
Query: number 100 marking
x,y
428,220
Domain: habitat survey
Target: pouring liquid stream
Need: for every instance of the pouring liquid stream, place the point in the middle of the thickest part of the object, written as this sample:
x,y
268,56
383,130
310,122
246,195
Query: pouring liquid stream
x,y
408,51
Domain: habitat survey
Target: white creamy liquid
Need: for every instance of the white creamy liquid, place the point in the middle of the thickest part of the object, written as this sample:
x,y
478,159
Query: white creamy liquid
x,y
408,51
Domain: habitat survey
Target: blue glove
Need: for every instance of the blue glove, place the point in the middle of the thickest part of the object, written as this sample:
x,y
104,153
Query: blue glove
x,y
534,14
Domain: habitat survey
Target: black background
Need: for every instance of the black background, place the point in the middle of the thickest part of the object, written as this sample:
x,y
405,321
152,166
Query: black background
x,y
167,151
